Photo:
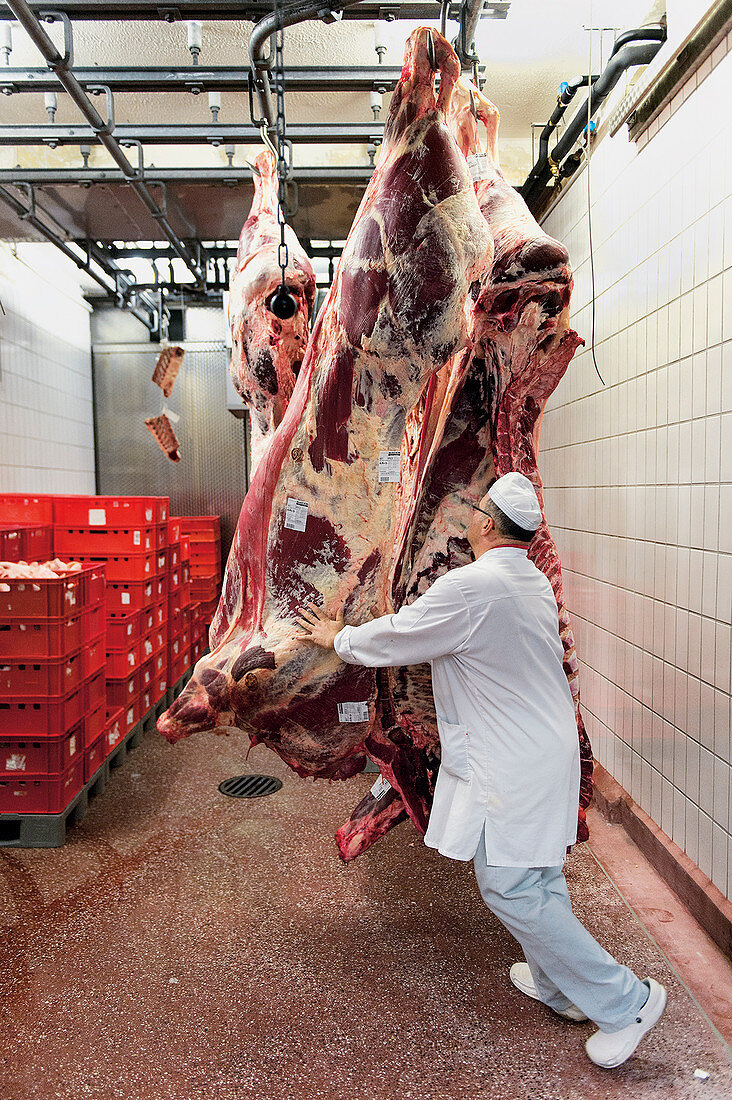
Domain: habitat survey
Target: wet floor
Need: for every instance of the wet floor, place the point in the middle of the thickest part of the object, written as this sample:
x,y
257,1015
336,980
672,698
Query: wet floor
x,y
188,946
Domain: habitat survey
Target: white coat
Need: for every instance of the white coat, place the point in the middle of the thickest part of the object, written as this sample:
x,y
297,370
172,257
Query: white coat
x,y
510,753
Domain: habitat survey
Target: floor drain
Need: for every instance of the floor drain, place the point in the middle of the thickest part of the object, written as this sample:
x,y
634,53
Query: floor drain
x,y
250,786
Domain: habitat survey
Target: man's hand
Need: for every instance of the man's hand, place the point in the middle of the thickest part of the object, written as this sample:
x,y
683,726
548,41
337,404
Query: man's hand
x,y
317,627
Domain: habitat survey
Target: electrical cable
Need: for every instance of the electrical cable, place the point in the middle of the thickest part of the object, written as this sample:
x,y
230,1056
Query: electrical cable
x,y
589,202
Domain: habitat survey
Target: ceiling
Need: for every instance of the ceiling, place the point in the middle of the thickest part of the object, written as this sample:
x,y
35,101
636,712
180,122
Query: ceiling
x,y
524,57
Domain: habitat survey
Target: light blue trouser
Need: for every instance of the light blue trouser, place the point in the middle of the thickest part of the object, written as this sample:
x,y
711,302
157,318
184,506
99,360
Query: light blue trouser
x,y
567,964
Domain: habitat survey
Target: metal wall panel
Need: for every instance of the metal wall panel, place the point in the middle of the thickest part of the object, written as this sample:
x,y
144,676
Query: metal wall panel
x,y
212,475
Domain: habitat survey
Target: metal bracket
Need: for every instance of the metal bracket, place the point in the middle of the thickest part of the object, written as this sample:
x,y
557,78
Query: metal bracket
x,y
27,188
258,122
55,16
97,89
140,173
294,205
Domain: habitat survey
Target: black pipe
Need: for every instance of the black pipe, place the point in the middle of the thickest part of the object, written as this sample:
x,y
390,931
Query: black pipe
x,y
654,33
567,92
625,57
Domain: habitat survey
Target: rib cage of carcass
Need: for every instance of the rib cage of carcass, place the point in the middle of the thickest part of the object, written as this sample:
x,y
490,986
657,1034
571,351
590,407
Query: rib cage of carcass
x,y
431,345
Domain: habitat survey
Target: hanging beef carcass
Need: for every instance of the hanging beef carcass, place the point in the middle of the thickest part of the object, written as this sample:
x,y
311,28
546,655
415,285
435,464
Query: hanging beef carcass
x,y
267,352
481,419
317,518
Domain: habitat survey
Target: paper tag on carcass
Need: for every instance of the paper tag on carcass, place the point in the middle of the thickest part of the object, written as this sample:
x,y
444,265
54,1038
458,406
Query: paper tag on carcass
x,y
353,712
389,465
296,514
97,517
478,167
380,787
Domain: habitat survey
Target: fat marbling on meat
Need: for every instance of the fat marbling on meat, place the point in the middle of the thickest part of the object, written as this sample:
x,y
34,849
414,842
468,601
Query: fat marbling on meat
x,y
395,315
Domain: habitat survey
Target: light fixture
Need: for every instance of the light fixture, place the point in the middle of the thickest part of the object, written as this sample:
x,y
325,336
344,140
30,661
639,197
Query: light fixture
x,y
6,41
195,38
379,42
50,100
85,151
376,104
214,102
229,150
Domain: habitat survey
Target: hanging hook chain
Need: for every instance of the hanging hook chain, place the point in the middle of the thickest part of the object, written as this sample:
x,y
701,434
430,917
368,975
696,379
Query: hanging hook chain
x,y
282,168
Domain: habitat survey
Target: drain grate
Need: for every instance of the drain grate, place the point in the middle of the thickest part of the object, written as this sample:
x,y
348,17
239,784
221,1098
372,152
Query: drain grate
x,y
250,786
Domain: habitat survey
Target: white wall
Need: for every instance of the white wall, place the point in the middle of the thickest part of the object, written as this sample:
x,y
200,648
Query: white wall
x,y
639,473
46,420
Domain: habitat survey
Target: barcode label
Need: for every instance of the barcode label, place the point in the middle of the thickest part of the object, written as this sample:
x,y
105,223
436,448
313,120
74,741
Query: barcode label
x,y
389,465
136,538
380,787
353,712
296,514
124,597
478,167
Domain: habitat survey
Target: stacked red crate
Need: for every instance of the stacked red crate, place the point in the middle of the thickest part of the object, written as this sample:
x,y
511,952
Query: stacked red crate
x,y
130,535
26,527
52,688
205,542
179,602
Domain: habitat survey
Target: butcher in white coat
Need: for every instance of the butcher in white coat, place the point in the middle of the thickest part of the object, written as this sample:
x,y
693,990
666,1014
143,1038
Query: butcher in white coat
x,y
508,787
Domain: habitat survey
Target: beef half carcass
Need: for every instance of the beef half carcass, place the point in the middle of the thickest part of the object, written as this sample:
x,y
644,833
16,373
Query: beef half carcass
x,y
321,512
267,352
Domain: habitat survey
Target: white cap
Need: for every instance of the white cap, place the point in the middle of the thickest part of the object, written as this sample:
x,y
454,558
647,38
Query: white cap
x,y
515,496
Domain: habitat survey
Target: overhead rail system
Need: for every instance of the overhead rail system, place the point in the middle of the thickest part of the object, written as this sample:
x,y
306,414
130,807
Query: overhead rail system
x,y
183,207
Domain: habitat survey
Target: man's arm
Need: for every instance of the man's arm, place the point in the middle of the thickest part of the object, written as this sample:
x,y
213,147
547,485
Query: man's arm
x,y
435,624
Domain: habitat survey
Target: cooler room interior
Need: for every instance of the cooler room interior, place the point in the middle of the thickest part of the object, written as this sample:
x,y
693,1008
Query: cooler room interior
x,y
201,206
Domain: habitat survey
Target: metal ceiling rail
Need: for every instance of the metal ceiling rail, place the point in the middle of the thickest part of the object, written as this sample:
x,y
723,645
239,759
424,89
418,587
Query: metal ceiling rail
x,y
100,129
252,12
56,177
148,314
350,78
353,133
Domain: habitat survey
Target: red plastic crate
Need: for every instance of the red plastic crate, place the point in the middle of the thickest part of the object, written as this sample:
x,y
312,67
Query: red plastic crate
x,y
147,675
161,613
94,622
205,592
161,538
159,662
185,548
147,646
12,543
205,552
124,568
173,529
174,579
195,612
94,656
130,597
178,667
40,638
160,687
45,718
30,678
22,508
131,714
174,558
94,723
120,693
114,733
160,587
204,572
117,512
185,597
197,648
95,691
121,662
200,525
104,540
60,598
38,538
93,578
161,561
124,628
42,755
94,758
42,794
175,624
174,604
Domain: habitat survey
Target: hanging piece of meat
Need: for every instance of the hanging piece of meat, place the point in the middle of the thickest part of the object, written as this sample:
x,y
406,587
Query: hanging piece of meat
x,y
481,420
322,510
267,352
166,370
162,429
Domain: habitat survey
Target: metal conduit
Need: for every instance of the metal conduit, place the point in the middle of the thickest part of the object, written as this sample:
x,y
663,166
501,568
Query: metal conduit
x,y
61,68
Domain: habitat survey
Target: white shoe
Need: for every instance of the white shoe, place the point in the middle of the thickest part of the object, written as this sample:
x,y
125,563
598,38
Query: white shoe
x,y
612,1049
520,975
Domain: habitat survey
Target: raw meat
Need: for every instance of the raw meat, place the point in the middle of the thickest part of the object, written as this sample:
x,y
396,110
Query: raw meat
x,y
166,439
481,420
267,352
166,370
395,315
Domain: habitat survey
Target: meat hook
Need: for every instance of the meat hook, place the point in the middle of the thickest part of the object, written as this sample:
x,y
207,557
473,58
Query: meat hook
x,y
431,51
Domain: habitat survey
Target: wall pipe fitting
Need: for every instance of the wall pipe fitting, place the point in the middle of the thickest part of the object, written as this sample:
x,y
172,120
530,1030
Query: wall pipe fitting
x,y
61,67
629,54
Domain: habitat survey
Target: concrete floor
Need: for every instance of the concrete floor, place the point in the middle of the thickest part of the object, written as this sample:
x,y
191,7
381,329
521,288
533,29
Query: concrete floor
x,y
188,946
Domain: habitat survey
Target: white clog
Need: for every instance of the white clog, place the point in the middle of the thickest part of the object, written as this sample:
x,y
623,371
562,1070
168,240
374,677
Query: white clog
x,y
520,975
611,1049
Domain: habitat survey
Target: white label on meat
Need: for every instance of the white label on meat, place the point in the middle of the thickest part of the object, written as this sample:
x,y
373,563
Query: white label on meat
x,y
97,517
124,597
478,167
389,465
353,712
296,514
136,537
15,763
380,787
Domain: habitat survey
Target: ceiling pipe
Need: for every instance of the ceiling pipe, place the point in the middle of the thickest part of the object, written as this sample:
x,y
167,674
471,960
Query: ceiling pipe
x,y
83,265
626,57
261,63
62,68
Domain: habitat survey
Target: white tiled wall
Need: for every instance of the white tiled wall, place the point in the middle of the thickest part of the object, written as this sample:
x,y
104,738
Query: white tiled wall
x,y
639,471
46,419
